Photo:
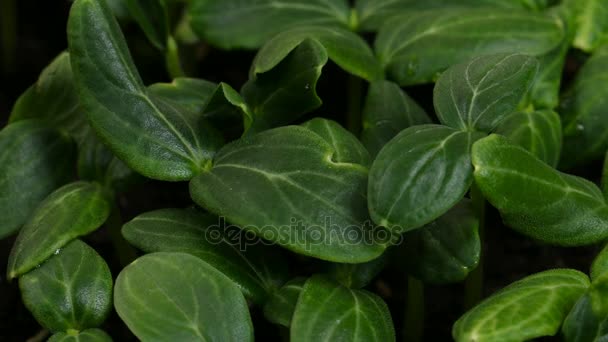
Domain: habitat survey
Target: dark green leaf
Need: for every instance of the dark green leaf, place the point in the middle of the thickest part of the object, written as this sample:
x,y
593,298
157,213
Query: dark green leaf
x,y
539,132
281,305
478,94
287,91
420,175
89,335
243,260
71,290
387,111
34,161
600,264
357,275
190,93
178,297
327,311
226,109
408,48
345,48
583,325
54,98
291,186
532,307
537,200
591,22
71,211
152,136
248,24
445,250
153,19
583,111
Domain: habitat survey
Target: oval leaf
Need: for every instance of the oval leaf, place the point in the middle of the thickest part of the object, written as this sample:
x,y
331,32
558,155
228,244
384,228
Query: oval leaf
x,y
531,307
584,325
290,185
445,250
539,132
172,143
89,335
387,111
583,111
280,307
178,297
71,290
71,211
419,175
591,20
244,261
236,24
535,199
479,94
327,311
407,45
34,161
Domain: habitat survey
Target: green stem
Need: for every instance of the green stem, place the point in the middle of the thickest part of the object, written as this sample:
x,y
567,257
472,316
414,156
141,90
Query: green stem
x,y
355,93
473,286
413,327
8,34
124,251
172,59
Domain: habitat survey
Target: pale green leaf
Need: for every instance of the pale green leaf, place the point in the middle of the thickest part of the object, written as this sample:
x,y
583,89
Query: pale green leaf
x,y
591,21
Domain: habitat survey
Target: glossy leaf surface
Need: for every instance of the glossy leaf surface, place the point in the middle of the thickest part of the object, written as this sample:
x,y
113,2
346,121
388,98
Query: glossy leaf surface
x,y
295,187
387,111
419,175
583,111
329,311
531,307
591,20
584,325
478,94
537,200
280,306
89,335
178,297
151,135
445,250
345,48
71,211
34,161
539,132
248,24
246,262
408,48
282,94
71,290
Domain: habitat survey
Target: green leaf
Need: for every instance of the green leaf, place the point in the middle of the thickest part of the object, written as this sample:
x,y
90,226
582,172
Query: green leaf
x,y
478,94
280,306
287,91
407,45
591,21
190,93
171,143
89,335
178,297
420,175
71,211
327,311
387,111
227,110
54,98
356,275
34,161
239,258
539,132
531,307
71,290
583,325
537,200
233,24
345,48
583,109
153,19
293,186
371,14
445,250
600,264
